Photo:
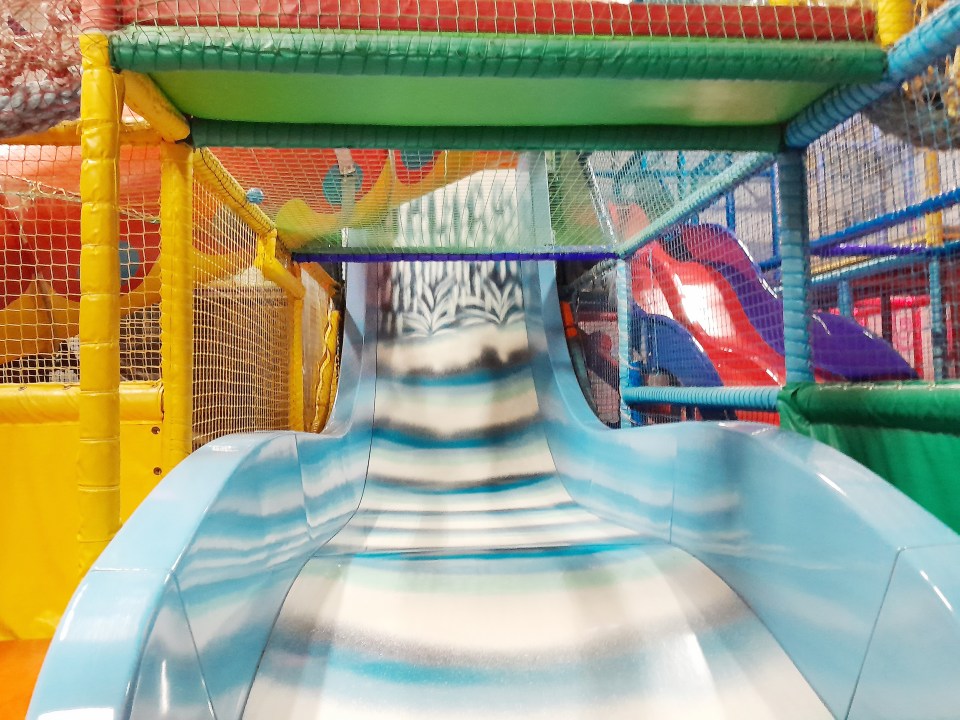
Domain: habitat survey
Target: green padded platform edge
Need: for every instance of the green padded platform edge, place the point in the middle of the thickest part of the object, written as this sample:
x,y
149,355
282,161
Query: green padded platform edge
x,y
161,49
907,405
908,434
219,133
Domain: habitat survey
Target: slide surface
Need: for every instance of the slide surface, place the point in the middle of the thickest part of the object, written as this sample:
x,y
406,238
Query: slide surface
x,y
465,540
470,584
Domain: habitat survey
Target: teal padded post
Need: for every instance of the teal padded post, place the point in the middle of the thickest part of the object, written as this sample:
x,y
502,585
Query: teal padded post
x,y
624,302
795,265
845,298
938,328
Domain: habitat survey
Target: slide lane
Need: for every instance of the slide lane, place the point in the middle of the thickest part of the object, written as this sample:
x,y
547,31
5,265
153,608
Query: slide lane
x,y
470,584
465,539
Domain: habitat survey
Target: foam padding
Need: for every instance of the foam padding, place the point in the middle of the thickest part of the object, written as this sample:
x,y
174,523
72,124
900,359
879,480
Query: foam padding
x,y
214,133
406,79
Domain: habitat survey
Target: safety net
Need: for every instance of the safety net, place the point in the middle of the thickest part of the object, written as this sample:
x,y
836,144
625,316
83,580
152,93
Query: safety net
x,y
39,315
325,73
374,204
800,20
701,237
39,65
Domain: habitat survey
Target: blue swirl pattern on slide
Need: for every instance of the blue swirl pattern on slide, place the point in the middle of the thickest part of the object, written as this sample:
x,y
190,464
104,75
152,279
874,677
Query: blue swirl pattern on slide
x,y
469,584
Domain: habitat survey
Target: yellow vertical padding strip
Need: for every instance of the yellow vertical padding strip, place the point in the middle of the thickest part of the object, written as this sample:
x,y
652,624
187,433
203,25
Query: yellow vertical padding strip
x,y
98,463
327,384
934,221
176,302
295,305
894,20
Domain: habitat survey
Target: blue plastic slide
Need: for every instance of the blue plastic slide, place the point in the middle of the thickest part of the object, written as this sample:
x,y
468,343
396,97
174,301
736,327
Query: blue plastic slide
x,y
466,540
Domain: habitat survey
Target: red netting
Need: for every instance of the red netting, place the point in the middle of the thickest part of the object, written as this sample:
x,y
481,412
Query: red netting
x,y
800,21
39,65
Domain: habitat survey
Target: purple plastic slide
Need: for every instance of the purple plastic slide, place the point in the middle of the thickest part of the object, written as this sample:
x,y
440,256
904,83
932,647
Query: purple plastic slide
x,y
841,347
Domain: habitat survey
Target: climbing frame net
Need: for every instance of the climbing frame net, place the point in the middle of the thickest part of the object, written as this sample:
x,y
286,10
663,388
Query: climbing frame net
x,y
241,338
387,203
39,313
39,65
582,18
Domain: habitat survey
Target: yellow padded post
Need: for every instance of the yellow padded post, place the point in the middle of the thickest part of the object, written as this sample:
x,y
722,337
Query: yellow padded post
x,y
933,234
67,134
894,20
149,102
295,305
98,466
273,270
322,277
327,385
176,302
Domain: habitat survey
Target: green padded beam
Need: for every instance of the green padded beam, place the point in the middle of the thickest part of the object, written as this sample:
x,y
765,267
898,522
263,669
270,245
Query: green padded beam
x,y
411,79
167,49
481,101
908,405
908,433
213,133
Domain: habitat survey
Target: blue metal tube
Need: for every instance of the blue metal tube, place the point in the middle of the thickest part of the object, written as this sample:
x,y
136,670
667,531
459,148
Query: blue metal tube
x,y
711,165
887,220
871,226
795,266
658,174
867,269
927,44
730,211
733,397
868,250
876,267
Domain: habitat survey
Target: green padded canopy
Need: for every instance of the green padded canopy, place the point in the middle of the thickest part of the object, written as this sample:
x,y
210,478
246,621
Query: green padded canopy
x,y
395,79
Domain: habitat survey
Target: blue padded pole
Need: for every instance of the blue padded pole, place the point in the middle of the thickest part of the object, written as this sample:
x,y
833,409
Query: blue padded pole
x,y
682,179
925,45
624,302
938,328
876,224
730,210
876,266
795,266
732,397
845,298
774,218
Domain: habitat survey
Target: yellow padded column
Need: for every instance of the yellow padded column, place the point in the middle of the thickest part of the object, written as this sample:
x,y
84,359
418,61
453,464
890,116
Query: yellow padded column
x,y
98,471
146,99
894,20
933,187
176,302
295,305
